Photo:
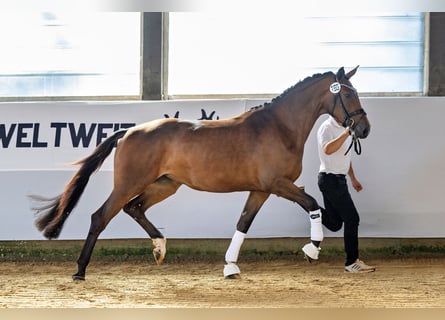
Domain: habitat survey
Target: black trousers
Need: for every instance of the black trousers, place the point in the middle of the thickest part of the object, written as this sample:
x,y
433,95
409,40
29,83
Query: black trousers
x,y
340,211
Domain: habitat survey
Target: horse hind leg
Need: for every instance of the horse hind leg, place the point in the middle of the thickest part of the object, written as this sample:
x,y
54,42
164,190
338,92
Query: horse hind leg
x,y
253,204
136,210
154,193
99,220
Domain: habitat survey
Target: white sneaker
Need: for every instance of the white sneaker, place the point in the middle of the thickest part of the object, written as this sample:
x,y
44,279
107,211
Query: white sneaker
x,y
359,267
311,251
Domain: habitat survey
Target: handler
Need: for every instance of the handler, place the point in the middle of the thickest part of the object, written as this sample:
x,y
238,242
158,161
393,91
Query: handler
x,y
335,162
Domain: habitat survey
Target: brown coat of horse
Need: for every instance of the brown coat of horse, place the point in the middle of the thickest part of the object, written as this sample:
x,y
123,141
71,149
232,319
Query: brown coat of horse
x,y
259,151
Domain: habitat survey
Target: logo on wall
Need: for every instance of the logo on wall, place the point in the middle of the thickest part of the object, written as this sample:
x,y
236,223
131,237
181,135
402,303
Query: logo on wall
x,y
81,135
204,115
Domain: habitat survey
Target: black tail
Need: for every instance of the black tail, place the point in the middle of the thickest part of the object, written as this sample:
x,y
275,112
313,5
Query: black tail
x,y
52,216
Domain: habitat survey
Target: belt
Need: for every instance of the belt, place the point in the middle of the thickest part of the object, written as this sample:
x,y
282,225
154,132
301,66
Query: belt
x,y
336,175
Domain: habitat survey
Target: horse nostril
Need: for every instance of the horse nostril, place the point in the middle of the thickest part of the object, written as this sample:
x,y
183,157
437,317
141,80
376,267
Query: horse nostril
x,y
366,132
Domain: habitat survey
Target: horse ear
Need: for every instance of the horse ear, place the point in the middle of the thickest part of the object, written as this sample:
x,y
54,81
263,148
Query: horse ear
x,y
351,73
340,73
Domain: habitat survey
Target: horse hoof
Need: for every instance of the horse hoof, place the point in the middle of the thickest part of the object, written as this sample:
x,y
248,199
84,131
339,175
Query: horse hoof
x,y
77,277
307,258
160,250
231,271
159,258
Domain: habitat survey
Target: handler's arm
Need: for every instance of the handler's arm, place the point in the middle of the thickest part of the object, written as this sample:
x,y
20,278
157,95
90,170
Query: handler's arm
x,y
355,183
335,144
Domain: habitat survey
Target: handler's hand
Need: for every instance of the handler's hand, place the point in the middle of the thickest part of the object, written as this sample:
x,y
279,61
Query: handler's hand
x,y
357,185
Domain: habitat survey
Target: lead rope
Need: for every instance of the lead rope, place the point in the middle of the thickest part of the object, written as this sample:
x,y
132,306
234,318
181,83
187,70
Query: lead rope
x,y
355,141
357,145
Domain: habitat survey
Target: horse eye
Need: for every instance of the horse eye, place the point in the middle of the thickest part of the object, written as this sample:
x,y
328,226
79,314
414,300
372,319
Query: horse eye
x,y
347,95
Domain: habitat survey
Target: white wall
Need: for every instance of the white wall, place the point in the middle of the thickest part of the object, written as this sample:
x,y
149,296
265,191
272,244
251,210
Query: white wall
x,y
401,169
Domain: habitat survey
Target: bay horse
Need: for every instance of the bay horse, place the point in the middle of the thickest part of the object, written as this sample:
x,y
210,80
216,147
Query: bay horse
x,y
259,151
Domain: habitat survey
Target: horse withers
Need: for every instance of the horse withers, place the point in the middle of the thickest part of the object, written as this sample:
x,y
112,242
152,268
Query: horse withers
x,y
259,151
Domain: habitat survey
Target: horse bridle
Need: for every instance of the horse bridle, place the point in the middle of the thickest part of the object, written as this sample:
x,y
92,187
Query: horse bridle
x,y
335,89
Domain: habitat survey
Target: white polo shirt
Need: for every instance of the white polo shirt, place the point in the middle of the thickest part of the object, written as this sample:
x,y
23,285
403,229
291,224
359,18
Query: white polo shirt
x,y
338,162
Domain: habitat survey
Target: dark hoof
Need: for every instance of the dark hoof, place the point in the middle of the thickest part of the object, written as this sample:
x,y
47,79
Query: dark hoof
x,y
234,276
307,258
77,277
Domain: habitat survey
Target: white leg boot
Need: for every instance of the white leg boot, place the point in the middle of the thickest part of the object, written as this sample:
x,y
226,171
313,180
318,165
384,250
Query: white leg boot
x,y
231,270
311,251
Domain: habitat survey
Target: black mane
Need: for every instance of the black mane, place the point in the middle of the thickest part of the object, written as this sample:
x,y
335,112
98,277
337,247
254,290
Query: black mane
x,y
299,85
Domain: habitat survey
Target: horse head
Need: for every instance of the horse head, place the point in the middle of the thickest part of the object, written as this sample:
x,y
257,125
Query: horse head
x,y
346,108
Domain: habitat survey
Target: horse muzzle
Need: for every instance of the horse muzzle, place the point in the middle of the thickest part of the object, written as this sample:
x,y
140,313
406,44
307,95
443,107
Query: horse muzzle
x,y
362,130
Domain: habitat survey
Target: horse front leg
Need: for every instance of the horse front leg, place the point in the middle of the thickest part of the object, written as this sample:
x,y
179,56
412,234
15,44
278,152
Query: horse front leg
x,y
253,205
287,189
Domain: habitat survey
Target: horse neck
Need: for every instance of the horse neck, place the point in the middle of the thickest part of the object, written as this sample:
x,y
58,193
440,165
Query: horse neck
x,y
299,111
